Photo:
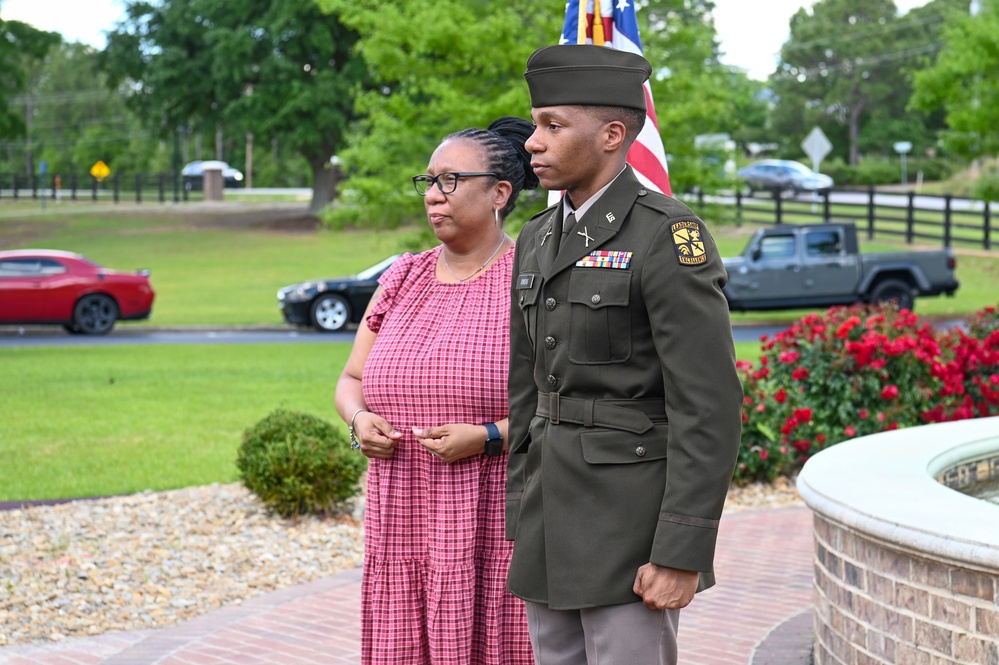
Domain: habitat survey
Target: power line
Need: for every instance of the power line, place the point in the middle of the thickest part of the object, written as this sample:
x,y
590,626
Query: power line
x,y
874,31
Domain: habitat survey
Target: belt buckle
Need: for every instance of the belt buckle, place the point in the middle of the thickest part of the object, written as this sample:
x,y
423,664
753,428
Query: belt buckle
x,y
553,408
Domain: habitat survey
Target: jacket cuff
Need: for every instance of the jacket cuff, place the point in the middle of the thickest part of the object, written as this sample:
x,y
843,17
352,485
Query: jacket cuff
x,y
685,543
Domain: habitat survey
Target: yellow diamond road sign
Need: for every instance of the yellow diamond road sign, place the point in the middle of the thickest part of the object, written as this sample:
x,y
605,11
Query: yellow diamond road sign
x,y
100,170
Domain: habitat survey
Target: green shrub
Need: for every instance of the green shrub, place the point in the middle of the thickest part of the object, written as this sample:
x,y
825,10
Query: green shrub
x,y
986,186
299,464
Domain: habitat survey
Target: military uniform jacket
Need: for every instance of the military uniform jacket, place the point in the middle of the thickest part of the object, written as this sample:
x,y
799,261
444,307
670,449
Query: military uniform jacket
x,y
625,404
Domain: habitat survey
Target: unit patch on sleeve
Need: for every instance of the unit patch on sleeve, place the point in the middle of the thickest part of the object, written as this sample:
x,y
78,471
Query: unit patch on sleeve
x,y
605,259
688,243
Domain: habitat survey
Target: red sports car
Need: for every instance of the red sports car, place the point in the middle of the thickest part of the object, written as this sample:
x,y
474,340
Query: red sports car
x,y
48,286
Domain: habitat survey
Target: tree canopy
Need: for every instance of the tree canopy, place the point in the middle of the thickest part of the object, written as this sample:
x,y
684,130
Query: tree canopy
x,y
273,68
847,68
21,47
965,81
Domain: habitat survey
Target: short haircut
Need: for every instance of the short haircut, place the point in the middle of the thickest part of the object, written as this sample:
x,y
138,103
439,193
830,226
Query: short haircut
x,y
633,119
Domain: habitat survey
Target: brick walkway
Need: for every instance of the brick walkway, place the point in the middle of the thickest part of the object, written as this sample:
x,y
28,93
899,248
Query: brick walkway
x,y
764,569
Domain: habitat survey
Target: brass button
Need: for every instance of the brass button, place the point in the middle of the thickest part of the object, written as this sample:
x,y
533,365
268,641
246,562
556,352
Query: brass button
x,y
549,342
595,299
640,451
550,304
552,380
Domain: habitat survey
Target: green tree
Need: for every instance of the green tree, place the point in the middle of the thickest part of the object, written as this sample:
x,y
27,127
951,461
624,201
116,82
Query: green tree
x,y
78,121
451,64
440,67
847,68
22,50
964,81
277,68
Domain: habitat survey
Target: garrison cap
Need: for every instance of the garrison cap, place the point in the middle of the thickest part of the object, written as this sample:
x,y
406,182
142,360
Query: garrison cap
x,y
570,74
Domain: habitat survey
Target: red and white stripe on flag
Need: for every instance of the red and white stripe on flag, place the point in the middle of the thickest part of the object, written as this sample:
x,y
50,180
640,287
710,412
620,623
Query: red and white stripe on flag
x,y
613,23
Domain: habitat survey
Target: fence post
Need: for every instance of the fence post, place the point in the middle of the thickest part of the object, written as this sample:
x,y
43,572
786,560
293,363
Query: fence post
x,y
16,193
72,186
117,186
93,189
947,220
870,212
986,222
34,186
777,206
825,205
738,208
138,188
159,180
909,215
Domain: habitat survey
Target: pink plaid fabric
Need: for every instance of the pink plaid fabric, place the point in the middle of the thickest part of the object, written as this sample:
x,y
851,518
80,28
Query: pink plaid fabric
x,y
435,560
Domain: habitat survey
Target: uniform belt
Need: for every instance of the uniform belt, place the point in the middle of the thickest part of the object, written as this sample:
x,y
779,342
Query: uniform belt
x,y
630,415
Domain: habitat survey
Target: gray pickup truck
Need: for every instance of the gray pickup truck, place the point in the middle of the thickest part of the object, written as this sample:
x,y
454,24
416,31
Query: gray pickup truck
x,y
819,265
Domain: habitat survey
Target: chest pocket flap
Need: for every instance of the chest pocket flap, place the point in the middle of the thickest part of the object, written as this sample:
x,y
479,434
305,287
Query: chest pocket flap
x,y
601,322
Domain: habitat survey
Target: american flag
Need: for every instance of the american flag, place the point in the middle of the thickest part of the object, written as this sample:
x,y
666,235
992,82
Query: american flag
x,y
613,23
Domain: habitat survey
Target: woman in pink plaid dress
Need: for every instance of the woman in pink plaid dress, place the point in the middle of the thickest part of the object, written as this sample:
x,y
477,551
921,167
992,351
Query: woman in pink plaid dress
x,y
424,391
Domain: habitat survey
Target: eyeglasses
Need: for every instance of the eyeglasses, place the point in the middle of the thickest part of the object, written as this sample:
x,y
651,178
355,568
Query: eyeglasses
x,y
446,182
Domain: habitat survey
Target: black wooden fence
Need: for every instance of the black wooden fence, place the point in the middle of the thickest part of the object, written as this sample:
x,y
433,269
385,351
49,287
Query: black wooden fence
x,y
916,218
117,187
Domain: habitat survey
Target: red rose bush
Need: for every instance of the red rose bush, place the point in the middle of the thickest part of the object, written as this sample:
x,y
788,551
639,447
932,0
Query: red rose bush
x,y
853,371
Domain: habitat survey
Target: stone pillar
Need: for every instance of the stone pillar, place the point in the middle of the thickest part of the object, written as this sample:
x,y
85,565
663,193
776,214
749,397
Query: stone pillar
x,y
213,183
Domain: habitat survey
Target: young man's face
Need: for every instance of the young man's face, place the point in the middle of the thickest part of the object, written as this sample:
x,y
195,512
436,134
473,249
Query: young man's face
x,y
566,147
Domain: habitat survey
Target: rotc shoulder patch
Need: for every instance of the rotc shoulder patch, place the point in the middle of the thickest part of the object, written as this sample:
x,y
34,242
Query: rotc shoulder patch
x,y
689,243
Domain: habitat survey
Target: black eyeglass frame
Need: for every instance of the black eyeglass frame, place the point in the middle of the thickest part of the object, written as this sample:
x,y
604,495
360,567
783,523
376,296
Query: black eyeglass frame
x,y
431,180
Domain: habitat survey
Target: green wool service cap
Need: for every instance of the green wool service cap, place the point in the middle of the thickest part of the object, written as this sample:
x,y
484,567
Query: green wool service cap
x,y
570,74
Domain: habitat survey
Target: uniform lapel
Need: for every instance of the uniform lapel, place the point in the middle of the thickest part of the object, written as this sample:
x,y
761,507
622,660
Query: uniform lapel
x,y
547,237
600,223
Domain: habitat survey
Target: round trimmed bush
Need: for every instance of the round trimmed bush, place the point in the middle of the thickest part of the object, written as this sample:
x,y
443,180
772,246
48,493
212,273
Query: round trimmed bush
x,y
299,464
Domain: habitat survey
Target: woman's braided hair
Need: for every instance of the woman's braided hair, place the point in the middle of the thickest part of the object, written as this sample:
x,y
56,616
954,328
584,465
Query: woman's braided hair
x,y
503,144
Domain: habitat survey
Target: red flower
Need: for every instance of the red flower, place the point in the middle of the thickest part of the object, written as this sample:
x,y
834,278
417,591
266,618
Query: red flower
x,y
780,396
803,415
802,445
863,414
800,374
789,357
849,431
889,392
764,454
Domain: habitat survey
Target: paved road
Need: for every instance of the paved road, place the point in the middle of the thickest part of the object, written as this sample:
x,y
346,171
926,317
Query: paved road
x,y
12,336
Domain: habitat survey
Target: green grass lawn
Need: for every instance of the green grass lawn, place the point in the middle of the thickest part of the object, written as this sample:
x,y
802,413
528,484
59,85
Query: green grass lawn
x,y
93,420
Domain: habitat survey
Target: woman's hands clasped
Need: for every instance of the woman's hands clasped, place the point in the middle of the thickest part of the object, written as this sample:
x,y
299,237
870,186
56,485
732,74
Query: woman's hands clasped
x,y
452,442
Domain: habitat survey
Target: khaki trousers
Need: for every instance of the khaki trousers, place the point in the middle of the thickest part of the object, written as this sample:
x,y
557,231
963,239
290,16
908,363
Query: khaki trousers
x,y
613,635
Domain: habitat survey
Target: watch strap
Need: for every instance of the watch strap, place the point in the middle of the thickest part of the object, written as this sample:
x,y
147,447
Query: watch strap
x,y
494,440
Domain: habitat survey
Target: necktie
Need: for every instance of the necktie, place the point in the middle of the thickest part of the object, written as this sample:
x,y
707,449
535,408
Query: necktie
x,y
567,225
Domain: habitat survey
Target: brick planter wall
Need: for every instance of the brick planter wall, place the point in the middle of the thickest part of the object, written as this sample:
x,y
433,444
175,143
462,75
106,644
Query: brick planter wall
x,y
875,604
906,568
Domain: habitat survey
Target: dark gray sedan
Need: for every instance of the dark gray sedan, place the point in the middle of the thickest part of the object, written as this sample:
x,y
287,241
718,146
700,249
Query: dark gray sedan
x,y
329,305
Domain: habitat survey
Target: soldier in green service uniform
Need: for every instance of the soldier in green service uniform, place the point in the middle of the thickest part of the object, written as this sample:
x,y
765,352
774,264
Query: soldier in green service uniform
x,y
624,398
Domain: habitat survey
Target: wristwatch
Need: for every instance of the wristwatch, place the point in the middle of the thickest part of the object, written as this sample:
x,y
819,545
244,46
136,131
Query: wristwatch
x,y
494,440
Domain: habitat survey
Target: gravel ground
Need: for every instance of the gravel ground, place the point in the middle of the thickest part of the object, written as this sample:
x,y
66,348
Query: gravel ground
x,y
154,559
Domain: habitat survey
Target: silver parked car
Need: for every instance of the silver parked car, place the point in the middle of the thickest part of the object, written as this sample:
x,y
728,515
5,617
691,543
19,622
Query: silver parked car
x,y
782,175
